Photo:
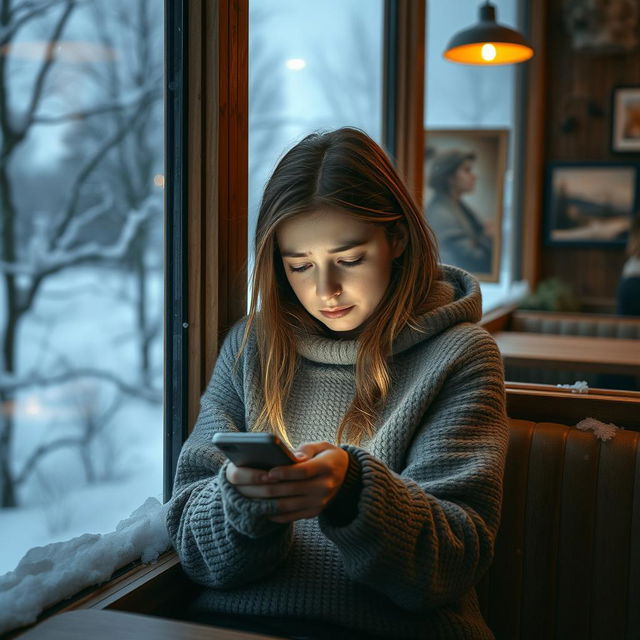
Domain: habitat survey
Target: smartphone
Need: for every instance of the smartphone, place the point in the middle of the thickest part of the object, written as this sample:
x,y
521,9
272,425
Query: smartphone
x,y
255,450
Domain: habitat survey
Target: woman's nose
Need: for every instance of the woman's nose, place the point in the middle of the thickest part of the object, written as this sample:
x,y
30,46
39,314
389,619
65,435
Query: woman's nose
x,y
328,286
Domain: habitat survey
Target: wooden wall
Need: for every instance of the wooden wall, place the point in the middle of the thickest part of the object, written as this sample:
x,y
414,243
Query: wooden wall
x,y
572,78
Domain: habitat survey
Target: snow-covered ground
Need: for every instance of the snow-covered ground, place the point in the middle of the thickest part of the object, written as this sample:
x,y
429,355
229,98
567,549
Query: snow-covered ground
x,y
83,318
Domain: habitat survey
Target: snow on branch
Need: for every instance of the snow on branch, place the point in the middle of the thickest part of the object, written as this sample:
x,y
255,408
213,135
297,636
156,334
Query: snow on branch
x,y
43,261
46,575
123,130
61,257
80,221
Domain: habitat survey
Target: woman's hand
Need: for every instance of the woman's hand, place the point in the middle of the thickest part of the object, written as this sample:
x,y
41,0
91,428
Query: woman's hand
x,y
303,489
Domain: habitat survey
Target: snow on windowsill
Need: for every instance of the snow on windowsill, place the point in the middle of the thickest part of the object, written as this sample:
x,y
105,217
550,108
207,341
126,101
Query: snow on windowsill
x,y
46,575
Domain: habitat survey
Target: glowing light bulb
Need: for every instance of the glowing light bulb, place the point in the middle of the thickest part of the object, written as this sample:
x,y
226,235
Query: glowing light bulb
x,y
488,52
295,64
158,180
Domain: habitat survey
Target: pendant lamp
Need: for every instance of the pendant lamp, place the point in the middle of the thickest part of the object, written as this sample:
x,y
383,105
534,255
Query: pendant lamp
x,y
488,43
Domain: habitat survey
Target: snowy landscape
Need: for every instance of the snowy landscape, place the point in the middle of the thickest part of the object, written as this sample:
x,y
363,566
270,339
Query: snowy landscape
x,y
81,269
82,318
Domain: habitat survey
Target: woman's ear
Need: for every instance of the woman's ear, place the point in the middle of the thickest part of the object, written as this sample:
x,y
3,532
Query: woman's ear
x,y
399,240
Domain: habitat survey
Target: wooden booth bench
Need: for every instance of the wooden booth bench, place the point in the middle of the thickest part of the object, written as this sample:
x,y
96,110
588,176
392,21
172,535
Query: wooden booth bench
x,y
567,557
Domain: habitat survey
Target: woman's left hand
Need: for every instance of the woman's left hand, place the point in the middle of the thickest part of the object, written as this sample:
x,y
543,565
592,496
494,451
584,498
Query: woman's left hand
x,y
306,488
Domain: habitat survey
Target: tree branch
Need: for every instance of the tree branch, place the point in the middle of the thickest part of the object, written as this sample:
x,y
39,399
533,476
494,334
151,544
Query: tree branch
x,y
49,59
58,259
32,9
85,218
13,384
93,162
81,115
42,450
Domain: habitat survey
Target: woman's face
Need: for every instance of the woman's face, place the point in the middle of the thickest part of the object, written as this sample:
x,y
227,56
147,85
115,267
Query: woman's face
x,y
463,180
338,267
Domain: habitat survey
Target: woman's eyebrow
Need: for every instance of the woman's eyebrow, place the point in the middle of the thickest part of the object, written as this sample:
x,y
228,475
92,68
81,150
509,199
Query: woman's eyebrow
x,y
344,247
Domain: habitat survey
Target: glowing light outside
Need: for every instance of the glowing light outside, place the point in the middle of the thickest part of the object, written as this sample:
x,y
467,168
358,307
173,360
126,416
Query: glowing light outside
x,y
32,407
295,64
488,52
158,180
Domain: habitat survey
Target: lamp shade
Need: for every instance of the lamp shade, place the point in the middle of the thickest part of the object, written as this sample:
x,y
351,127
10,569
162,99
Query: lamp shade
x,y
488,43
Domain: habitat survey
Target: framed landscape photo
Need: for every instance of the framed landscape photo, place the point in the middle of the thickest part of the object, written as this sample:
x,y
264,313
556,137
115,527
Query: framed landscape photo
x,y
590,204
464,177
625,120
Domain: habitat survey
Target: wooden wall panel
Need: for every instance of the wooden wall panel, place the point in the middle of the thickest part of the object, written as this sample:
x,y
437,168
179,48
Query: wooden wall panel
x,y
574,78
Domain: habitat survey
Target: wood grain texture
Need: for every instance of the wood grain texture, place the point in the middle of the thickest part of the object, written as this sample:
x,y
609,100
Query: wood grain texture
x,y
533,179
603,355
409,75
195,172
107,625
546,403
218,180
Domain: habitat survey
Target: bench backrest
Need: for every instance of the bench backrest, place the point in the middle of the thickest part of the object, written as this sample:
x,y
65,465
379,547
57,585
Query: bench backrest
x,y
567,558
576,324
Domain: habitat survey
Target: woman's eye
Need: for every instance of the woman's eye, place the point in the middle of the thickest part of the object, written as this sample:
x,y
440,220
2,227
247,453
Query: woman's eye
x,y
346,263
352,263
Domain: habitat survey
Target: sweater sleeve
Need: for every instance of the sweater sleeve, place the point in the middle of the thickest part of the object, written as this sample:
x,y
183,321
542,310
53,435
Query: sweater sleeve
x,y
223,539
425,536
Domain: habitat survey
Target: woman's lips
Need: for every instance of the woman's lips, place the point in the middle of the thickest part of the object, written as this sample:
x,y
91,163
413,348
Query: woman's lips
x,y
338,313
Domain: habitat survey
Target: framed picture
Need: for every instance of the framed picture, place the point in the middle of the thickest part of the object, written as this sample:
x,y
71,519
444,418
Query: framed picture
x,y
464,171
625,120
590,204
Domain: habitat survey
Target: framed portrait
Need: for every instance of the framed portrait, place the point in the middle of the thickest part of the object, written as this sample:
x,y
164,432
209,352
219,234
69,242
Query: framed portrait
x,y
625,120
590,203
464,177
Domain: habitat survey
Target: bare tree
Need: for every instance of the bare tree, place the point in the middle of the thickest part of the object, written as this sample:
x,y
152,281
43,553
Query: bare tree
x,y
28,260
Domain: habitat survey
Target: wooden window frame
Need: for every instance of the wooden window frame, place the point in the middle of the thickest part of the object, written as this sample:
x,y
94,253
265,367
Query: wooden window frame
x,y
403,82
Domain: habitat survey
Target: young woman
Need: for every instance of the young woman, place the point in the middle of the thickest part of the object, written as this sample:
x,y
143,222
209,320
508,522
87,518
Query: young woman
x,y
464,239
363,353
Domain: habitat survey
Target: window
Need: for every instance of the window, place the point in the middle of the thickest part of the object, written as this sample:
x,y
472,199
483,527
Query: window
x,y
81,266
463,102
311,66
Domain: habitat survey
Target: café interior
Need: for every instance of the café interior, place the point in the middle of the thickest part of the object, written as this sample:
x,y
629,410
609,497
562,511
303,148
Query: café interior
x,y
540,100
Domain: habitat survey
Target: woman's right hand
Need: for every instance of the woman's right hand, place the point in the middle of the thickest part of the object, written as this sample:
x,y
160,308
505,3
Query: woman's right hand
x,y
250,482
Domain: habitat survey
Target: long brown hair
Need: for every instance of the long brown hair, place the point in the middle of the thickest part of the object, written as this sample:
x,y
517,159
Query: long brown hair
x,y
342,170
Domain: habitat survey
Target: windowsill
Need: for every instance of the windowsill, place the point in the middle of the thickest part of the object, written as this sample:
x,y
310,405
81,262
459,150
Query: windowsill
x,y
142,589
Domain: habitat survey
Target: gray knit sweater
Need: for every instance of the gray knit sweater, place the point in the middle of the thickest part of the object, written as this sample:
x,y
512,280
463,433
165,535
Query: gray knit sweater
x,y
430,478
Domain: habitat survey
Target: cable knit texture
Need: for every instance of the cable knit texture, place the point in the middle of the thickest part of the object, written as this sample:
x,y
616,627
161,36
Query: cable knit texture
x,y
431,484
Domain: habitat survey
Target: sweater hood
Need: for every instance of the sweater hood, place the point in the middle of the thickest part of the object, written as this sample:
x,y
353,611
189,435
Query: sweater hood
x,y
455,298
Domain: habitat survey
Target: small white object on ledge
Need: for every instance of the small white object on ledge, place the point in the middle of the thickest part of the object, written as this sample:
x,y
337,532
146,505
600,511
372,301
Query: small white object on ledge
x,y
601,430
580,386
